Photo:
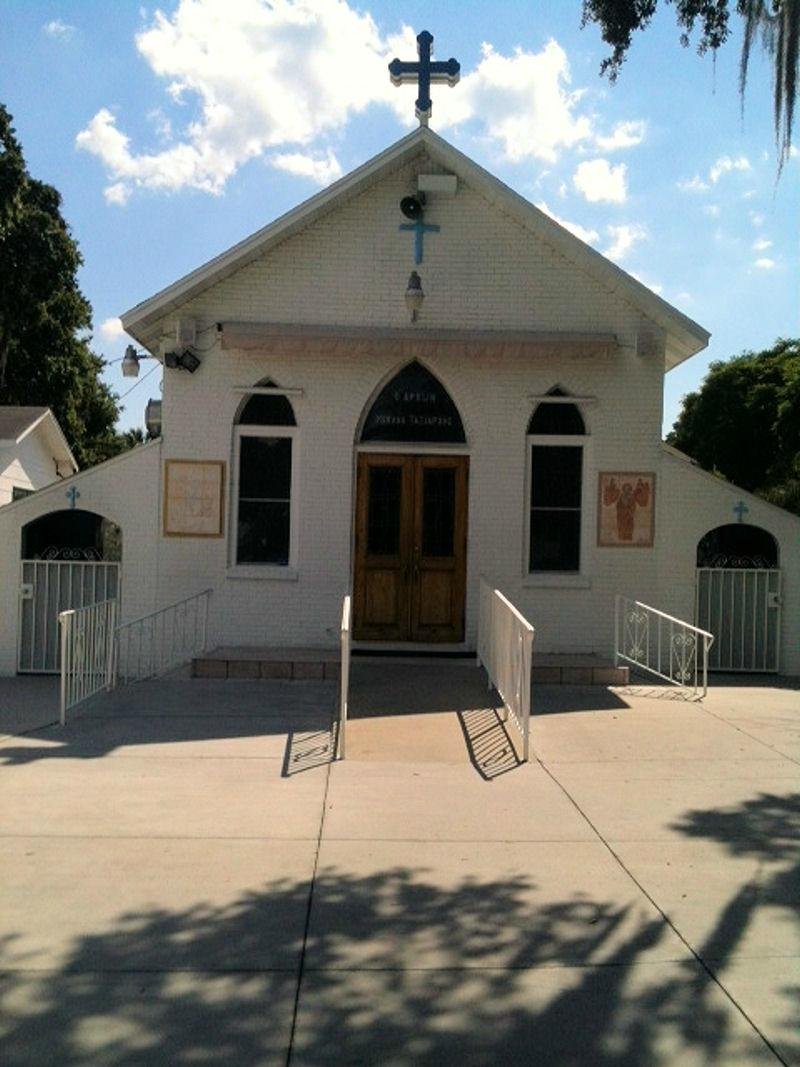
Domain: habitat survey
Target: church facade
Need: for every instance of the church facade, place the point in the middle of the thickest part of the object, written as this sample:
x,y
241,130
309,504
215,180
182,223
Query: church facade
x,y
397,400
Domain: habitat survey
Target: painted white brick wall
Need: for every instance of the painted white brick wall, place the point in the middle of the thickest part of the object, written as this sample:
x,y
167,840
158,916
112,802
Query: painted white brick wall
x,y
482,270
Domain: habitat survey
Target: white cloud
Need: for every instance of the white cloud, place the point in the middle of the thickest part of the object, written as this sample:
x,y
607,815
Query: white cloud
x,y
725,165
320,169
111,329
257,77
712,210
624,135
761,244
61,31
263,75
765,263
623,238
523,100
693,185
119,193
598,181
756,218
582,232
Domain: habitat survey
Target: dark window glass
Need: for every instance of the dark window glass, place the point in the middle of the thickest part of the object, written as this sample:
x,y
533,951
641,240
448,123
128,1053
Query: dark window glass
x,y
556,419
556,476
555,540
18,493
738,544
383,519
263,531
265,479
414,406
265,467
556,484
266,410
438,511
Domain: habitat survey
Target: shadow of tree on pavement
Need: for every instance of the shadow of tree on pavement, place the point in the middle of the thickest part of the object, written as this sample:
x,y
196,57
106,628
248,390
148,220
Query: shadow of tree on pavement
x,y
397,970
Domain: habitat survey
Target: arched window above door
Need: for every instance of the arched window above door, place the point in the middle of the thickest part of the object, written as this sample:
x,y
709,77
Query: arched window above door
x,y
738,545
414,407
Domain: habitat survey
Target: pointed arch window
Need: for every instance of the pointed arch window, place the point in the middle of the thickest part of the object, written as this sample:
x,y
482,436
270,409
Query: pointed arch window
x,y
265,521
556,433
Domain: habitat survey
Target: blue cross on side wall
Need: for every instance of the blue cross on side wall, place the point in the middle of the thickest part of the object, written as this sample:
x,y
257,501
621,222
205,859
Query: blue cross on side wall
x,y
72,495
420,228
424,72
741,509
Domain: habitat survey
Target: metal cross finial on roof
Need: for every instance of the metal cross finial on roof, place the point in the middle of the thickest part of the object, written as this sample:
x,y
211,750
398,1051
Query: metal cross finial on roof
x,y
424,72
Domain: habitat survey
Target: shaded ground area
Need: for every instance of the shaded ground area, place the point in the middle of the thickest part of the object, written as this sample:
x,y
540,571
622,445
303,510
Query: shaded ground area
x,y
187,878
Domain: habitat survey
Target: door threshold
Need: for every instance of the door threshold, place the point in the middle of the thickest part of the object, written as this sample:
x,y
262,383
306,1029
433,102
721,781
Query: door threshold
x,y
410,651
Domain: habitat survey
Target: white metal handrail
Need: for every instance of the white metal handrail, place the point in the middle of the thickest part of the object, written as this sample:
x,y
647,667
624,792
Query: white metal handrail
x,y
163,639
344,680
87,653
505,649
662,645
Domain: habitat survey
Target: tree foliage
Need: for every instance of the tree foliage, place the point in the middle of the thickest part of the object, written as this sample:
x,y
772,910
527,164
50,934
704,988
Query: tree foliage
x,y
744,422
773,23
45,320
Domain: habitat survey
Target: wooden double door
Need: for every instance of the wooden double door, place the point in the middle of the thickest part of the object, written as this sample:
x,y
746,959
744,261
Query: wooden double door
x,y
410,548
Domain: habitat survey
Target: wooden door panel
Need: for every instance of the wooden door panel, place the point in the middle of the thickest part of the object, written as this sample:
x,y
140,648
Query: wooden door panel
x,y
435,593
384,494
439,562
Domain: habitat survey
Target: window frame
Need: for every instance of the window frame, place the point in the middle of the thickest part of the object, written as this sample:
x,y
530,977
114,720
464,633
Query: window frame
x,y
281,571
574,578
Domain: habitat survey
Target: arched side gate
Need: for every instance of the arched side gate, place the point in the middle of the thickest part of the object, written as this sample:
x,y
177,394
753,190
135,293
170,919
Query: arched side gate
x,y
70,559
738,597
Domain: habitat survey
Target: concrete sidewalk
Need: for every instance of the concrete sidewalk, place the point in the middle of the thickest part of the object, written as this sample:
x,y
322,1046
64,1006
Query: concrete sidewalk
x,y
187,878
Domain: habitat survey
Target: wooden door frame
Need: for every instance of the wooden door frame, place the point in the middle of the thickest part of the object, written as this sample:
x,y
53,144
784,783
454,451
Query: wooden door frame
x,y
388,452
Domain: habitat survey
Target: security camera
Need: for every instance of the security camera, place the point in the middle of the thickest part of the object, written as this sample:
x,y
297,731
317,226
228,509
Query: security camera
x,y
413,206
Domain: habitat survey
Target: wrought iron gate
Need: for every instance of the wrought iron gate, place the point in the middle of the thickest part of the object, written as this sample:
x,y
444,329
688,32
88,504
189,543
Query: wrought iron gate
x,y
48,587
741,607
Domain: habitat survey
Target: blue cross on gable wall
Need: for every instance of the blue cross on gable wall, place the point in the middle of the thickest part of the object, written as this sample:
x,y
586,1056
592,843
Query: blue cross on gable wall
x,y
420,228
72,495
741,509
424,72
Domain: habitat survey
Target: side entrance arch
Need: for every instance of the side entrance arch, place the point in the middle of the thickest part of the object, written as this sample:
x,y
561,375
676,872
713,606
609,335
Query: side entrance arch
x,y
738,597
409,572
70,559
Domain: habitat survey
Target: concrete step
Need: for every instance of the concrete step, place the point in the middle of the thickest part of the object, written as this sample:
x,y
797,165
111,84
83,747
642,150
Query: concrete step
x,y
297,664
322,664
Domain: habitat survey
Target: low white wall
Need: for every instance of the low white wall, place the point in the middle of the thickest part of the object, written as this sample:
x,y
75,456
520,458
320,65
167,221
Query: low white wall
x,y
124,490
692,502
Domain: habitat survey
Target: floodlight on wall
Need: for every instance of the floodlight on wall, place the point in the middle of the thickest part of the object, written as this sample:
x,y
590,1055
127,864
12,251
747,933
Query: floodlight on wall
x,y
152,418
414,295
130,362
185,360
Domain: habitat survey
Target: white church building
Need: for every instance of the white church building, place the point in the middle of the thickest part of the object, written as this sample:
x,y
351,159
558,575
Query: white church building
x,y
395,401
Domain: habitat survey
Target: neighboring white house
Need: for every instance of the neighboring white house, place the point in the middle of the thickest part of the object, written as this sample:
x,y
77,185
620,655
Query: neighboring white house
x,y
33,451
356,399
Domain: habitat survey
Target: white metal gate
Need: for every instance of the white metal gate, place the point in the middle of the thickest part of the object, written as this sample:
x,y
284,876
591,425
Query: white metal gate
x,y
741,607
48,587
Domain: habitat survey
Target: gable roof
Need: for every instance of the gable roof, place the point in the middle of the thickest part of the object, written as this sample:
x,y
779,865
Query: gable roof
x,y
684,337
18,421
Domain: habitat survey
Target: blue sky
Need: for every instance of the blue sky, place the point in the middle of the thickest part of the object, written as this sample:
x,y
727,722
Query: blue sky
x,y
173,132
